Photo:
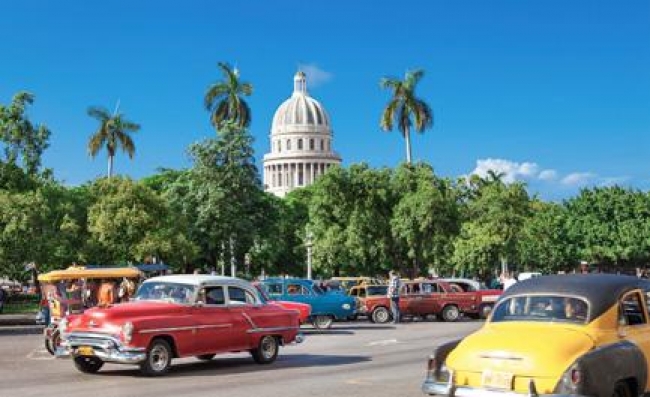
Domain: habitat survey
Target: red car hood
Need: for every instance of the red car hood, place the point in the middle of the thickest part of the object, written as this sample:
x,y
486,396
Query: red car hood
x,y
110,319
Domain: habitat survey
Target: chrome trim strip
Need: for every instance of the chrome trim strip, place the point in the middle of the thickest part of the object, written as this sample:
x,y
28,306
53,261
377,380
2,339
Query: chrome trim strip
x,y
501,357
108,348
249,319
187,328
271,329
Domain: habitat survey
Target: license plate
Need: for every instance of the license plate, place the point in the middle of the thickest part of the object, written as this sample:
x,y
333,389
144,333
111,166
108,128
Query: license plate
x,y
85,351
497,380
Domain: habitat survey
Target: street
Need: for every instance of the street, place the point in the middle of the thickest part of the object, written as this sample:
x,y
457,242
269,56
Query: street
x,y
351,359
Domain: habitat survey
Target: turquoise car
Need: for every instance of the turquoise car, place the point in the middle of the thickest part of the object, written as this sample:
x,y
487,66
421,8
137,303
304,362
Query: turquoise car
x,y
325,307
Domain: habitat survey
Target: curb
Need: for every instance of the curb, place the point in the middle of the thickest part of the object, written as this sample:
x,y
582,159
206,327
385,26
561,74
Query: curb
x,y
17,319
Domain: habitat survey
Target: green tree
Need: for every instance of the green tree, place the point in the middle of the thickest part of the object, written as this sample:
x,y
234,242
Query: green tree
x,y
611,226
545,244
221,197
129,222
425,220
44,226
113,134
24,142
492,223
330,209
224,99
405,109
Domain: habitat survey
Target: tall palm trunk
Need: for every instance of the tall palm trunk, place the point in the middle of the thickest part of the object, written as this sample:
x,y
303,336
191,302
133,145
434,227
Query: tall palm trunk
x,y
110,166
407,137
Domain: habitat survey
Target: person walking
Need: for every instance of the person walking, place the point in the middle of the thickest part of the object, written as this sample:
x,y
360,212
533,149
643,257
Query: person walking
x,y
3,298
394,285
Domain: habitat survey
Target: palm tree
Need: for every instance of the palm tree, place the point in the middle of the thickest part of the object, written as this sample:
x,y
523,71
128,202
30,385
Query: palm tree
x,y
406,109
224,99
113,133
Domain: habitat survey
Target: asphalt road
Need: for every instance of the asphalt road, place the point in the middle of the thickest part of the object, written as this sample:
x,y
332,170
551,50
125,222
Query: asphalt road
x,y
351,359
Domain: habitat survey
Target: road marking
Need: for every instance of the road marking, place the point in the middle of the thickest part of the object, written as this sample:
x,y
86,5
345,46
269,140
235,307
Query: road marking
x,y
360,382
384,342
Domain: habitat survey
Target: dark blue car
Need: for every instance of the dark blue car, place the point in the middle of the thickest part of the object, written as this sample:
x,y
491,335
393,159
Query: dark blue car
x,y
325,307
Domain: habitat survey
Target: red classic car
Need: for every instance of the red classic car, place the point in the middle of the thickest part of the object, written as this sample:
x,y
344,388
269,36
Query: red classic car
x,y
487,296
179,316
423,298
304,309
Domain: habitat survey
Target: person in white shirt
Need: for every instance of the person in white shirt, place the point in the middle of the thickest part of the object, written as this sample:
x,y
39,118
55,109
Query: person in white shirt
x,y
508,280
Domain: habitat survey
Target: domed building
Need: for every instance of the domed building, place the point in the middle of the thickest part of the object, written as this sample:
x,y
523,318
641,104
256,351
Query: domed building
x,y
301,142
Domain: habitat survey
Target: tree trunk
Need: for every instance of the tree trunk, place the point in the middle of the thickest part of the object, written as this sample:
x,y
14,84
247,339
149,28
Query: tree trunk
x,y
407,138
110,166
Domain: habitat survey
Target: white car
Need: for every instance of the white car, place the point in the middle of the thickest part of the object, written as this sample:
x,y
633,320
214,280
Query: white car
x,y
526,275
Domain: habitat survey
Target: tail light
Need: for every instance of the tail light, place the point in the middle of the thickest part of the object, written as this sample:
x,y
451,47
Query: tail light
x,y
576,376
431,367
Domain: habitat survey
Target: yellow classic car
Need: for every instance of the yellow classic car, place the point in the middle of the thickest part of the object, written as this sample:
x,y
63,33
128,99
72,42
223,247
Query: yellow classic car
x,y
561,335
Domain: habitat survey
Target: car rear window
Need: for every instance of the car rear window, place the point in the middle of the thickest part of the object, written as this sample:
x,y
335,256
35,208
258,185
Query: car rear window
x,y
545,308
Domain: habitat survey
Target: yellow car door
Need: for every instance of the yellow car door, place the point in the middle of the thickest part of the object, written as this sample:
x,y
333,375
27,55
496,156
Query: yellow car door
x,y
633,323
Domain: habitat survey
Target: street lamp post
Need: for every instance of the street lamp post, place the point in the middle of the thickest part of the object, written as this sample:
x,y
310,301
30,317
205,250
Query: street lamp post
x,y
233,264
309,244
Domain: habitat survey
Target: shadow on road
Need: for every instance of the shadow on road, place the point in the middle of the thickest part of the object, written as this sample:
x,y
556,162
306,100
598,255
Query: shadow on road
x,y
239,365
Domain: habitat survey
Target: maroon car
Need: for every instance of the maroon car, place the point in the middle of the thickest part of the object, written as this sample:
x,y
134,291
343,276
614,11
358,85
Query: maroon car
x,y
423,298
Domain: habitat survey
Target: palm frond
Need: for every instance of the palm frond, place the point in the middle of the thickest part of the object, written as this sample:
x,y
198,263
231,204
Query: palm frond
x,y
96,142
214,92
413,77
388,115
244,114
423,116
126,143
247,89
99,113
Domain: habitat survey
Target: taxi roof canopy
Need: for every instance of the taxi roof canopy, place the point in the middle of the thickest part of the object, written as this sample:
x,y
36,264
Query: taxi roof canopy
x,y
75,272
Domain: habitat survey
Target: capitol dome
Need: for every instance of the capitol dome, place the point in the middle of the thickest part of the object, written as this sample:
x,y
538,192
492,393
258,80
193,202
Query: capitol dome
x,y
301,142
300,111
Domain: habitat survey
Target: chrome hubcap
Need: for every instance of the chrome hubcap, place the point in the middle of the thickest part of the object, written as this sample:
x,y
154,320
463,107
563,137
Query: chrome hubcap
x,y
452,314
268,347
158,358
382,316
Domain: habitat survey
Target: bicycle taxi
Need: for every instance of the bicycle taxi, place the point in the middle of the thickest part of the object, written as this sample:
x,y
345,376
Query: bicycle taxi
x,y
72,290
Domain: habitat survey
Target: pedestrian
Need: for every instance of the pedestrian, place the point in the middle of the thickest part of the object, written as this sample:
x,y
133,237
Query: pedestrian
x,y
394,285
3,298
106,293
73,296
508,280
126,290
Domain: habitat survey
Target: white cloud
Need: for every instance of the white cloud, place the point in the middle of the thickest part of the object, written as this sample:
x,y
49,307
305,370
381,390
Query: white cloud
x,y
548,175
578,179
530,173
511,170
315,75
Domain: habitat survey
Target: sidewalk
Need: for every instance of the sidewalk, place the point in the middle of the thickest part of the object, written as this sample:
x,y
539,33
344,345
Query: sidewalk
x,y
7,320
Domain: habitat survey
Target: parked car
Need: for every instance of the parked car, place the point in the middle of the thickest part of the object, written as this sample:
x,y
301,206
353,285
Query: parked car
x,y
422,298
560,335
487,296
179,316
325,308
304,310
346,283
363,292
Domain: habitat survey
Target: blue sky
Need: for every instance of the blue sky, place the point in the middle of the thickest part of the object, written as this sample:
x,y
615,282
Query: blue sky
x,y
555,93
